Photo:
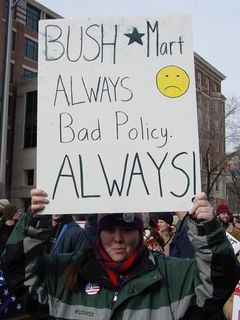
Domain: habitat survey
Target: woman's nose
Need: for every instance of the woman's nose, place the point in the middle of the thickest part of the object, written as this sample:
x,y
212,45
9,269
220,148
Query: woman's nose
x,y
118,235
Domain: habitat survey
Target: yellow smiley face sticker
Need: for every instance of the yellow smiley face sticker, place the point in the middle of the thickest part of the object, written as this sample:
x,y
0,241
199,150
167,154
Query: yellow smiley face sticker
x,y
172,81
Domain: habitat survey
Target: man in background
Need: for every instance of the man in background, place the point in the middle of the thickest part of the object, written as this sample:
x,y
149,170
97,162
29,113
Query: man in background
x,y
225,217
180,245
67,236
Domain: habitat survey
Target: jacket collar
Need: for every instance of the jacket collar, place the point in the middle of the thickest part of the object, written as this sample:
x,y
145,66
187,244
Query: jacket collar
x,y
94,273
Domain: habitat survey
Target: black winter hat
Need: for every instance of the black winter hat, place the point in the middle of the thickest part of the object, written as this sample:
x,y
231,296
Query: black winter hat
x,y
155,216
131,219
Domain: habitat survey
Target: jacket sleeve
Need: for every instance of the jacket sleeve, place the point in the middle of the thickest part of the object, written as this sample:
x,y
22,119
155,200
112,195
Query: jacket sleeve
x,y
24,249
218,267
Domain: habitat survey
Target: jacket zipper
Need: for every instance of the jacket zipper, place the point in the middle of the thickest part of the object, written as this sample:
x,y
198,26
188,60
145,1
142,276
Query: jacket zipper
x,y
115,297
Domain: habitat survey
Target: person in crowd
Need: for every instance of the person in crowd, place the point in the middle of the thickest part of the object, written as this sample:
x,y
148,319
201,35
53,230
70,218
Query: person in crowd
x,y
180,246
3,203
162,222
119,278
225,217
152,240
237,223
91,227
66,235
11,214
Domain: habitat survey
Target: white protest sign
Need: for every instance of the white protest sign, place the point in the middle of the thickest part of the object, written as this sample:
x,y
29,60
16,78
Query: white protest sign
x,y
236,303
117,115
234,242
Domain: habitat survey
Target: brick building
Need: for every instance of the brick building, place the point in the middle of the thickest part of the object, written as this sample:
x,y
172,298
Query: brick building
x,y
211,124
24,55
233,184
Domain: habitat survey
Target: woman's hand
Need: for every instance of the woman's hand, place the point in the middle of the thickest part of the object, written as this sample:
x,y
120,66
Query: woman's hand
x,y
201,209
38,200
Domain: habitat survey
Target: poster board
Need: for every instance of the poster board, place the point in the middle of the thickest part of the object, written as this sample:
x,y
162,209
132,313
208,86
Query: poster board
x,y
236,303
117,114
234,242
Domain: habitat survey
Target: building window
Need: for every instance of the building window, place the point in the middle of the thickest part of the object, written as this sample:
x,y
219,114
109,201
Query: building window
x,y
31,48
28,74
32,17
30,132
215,88
199,77
28,177
207,83
11,72
199,113
5,10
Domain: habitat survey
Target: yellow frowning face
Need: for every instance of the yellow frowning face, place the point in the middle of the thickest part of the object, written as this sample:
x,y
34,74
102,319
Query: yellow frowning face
x,y
172,81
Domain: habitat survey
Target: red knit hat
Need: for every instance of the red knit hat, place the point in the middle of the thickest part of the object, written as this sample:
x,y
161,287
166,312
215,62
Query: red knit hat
x,y
222,208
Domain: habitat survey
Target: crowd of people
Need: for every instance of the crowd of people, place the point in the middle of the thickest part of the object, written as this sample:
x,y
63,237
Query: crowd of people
x,y
160,265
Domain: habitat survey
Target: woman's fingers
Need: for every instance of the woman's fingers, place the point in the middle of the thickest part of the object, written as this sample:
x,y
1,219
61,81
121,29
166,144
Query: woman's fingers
x,y
39,200
38,192
201,209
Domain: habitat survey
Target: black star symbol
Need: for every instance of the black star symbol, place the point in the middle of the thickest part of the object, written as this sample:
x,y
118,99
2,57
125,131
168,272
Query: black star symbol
x,y
135,36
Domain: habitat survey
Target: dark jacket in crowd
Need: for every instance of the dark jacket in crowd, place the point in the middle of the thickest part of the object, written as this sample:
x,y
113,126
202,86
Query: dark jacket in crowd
x,y
5,232
66,237
180,246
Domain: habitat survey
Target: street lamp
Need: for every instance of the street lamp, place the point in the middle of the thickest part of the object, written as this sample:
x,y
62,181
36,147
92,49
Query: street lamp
x,y
3,153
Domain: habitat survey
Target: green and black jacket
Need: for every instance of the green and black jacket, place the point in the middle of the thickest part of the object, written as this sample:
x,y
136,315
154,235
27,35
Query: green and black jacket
x,y
162,288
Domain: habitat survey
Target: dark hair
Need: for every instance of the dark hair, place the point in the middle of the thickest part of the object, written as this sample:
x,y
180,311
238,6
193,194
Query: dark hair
x,y
73,274
152,220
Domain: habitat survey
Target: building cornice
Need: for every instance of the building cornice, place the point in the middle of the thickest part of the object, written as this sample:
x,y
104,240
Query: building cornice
x,y
198,58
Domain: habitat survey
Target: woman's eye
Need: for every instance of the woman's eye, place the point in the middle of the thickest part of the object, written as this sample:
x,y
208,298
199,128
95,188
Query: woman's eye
x,y
128,229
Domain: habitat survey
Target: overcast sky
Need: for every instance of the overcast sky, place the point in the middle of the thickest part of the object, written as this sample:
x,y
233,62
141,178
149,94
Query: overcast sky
x,y
216,26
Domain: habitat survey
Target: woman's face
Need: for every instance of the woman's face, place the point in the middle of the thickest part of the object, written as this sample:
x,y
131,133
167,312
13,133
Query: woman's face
x,y
17,215
120,242
162,225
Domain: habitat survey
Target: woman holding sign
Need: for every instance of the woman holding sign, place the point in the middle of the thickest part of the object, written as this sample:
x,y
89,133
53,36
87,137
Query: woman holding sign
x,y
120,278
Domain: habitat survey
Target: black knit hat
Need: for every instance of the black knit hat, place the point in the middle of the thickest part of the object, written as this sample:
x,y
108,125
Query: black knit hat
x,y
155,216
132,220
8,211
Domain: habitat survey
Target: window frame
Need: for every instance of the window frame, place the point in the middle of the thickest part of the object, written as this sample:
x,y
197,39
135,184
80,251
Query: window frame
x,y
31,49
33,15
